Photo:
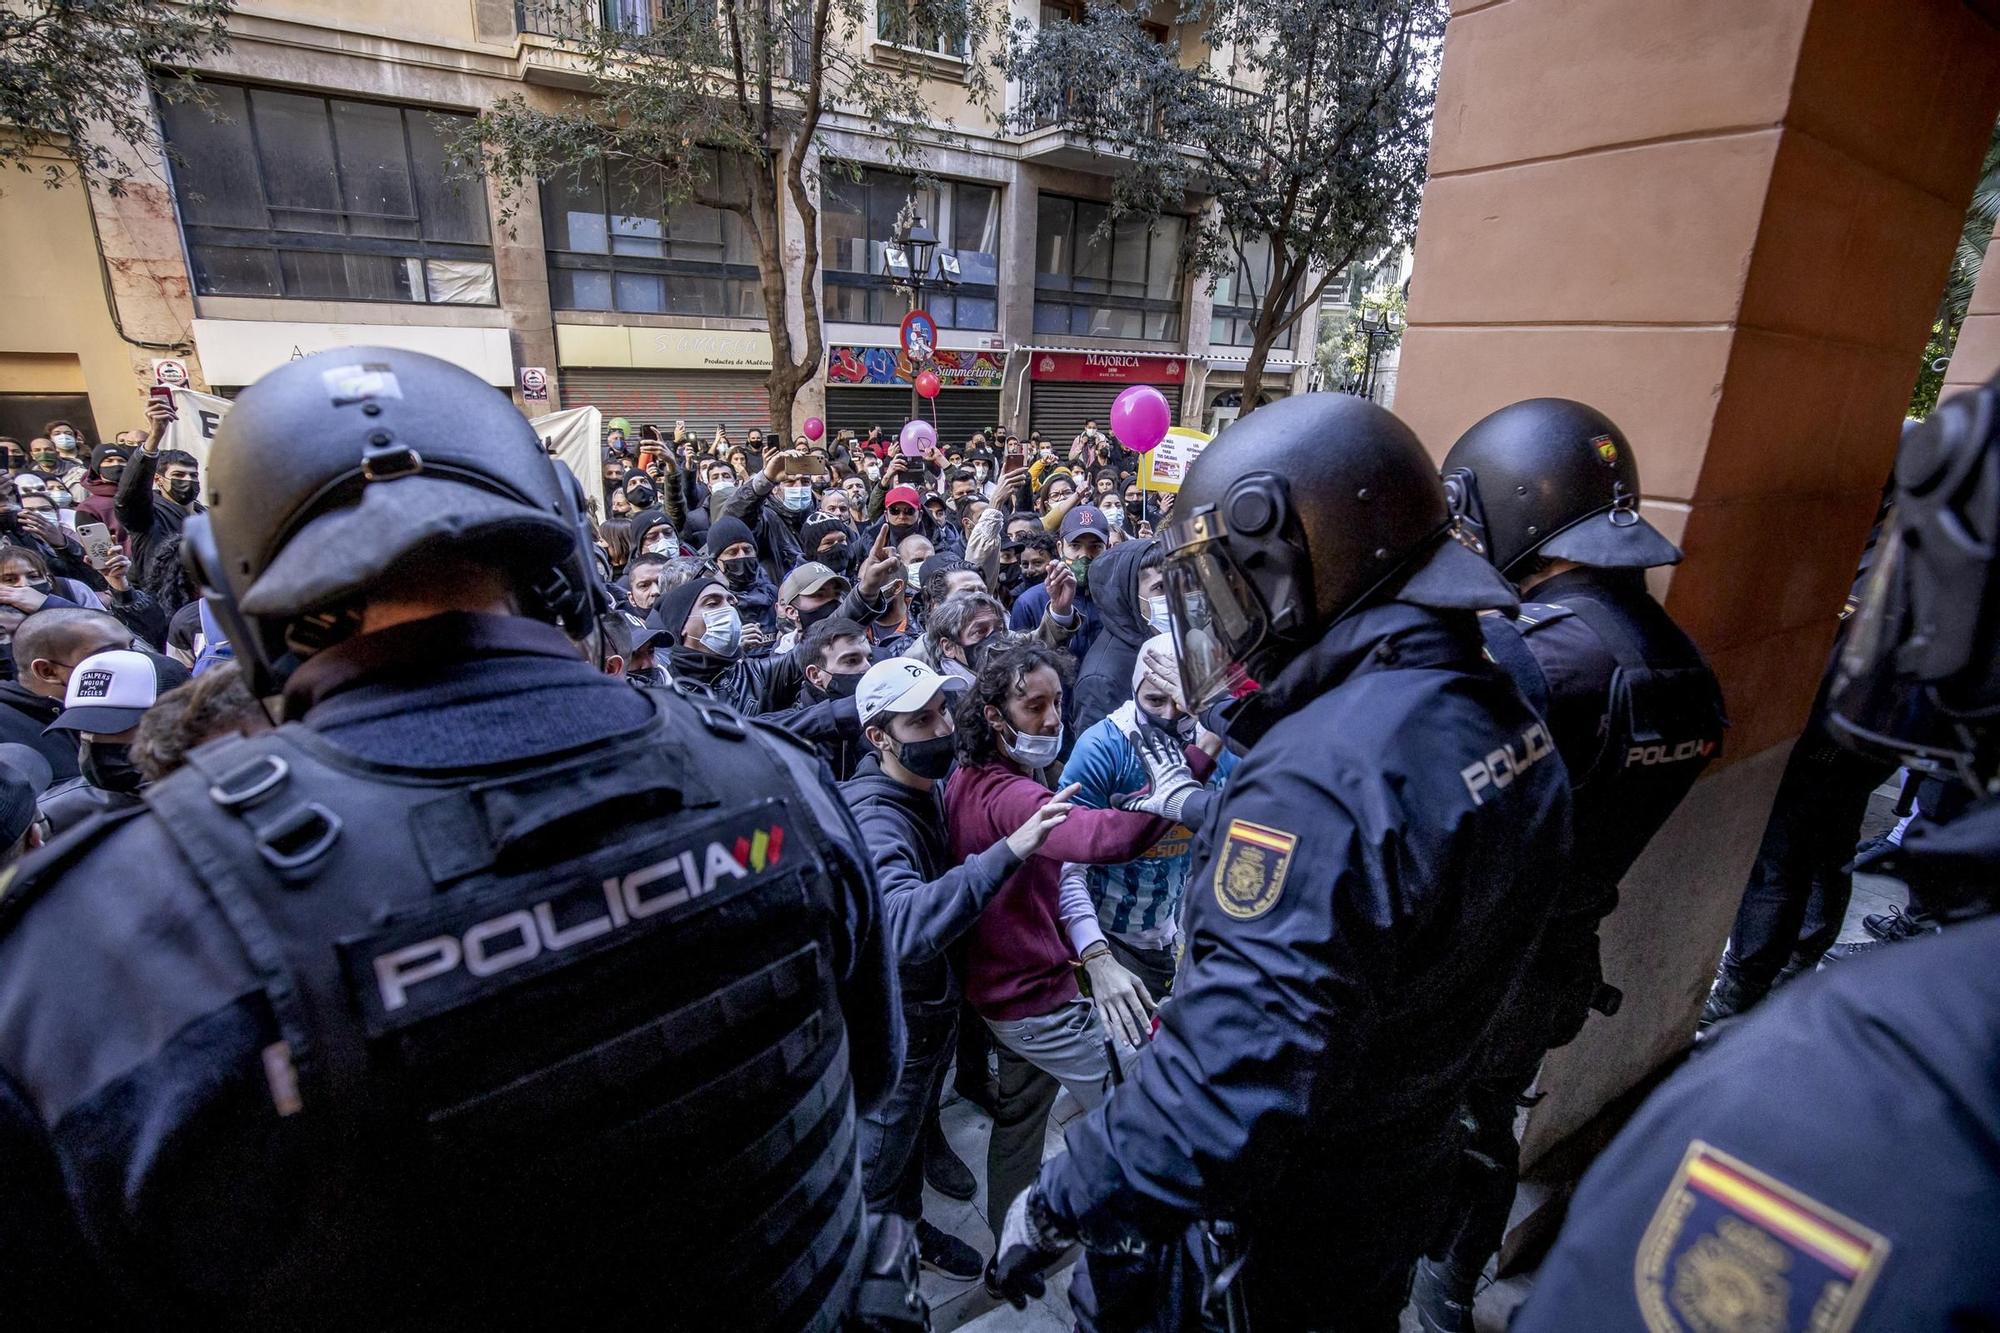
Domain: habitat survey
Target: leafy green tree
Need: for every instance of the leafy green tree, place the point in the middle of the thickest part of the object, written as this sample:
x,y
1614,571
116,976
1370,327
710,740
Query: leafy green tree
x,y
1973,238
1343,346
1307,122
724,107
76,78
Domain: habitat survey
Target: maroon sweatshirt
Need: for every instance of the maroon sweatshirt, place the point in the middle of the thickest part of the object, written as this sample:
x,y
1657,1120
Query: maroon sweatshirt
x,y
1018,960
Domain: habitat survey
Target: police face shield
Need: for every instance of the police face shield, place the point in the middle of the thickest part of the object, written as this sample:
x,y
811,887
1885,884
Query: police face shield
x,y
1219,621
1918,671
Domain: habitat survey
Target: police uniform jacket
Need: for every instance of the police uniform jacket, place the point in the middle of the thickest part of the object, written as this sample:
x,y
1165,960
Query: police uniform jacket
x,y
1364,894
171,1157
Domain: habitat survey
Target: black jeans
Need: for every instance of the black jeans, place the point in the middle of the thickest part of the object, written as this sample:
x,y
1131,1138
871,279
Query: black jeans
x,y
1797,896
892,1136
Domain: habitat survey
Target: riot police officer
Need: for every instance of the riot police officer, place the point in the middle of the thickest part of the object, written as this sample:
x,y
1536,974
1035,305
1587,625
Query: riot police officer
x,y
1828,1161
1548,490
485,991
1366,891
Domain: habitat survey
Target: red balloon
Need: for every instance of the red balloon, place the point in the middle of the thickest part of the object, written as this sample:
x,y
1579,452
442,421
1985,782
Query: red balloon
x,y
928,384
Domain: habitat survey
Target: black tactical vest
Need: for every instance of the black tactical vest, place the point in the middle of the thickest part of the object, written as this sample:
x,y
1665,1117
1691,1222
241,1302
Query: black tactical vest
x,y
559,1045
1663,724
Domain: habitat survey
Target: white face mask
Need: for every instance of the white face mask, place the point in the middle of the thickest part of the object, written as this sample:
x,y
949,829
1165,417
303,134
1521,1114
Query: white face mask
x,y
798,499
1035,751
64,442
723,633
1158,616
979,471
916,572
662,546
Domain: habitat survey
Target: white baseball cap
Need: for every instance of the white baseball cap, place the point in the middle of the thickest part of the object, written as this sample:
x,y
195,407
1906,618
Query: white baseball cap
x,y
110,691
896,685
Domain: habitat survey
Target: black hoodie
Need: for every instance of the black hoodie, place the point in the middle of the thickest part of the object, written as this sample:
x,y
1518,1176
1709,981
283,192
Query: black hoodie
x,y
927,903
1105,680
23,714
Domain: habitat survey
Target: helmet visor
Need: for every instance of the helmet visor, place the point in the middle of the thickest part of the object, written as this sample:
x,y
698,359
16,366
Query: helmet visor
x,y
1218,618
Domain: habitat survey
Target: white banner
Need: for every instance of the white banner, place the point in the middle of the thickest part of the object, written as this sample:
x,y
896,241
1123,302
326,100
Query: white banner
x,y
573,437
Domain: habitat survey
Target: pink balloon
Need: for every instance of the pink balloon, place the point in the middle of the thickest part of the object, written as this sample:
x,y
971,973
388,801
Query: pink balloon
x,y
919,437
814,428
1140,418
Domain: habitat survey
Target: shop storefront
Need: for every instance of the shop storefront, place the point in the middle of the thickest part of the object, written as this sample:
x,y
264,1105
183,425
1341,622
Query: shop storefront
x,y
705,378
871,386
1070,388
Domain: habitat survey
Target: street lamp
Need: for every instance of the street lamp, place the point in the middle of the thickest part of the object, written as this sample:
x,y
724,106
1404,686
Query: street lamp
x,y
907,262
1378,327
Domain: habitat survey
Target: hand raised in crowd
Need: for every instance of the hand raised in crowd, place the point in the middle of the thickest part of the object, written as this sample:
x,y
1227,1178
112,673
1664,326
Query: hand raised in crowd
x,y
1011,482
1122,1001
116,571
159,415
1026,840
879,567
1062,588
1145,529
774,466
755,639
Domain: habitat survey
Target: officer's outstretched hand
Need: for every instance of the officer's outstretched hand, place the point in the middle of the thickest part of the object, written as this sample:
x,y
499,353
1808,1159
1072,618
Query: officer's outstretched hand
x,y
1170,784
1030,1240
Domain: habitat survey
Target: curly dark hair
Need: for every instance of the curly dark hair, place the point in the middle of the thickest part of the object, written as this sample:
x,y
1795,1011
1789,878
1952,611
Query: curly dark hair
x,y
999,676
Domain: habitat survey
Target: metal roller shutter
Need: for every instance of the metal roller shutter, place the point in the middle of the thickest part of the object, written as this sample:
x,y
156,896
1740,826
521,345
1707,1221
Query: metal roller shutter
x,y
704,399
959,412
1058,408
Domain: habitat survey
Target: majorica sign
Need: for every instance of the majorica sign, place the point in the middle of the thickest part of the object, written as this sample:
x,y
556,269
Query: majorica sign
x,y
1113,367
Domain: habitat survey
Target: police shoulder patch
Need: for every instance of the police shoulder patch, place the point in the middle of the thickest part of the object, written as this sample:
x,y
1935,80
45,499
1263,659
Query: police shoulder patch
x,y
1250,873
1731,1248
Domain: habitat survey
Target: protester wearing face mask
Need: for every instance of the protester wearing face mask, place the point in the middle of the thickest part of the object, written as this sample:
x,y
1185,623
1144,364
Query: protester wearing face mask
x,y
734,551
107,695
155,495
833,654
1065,584
707,649
931,898
774,504
45,650
828,539
1127,591
957,629
1135,907
44,461
1020,967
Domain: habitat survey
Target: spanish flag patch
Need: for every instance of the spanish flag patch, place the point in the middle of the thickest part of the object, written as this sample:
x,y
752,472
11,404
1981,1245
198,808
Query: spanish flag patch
x,y
1250,873
1732,1248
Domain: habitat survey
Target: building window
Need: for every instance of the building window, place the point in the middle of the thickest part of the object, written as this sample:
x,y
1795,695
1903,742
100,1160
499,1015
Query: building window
x,y
324,198
1126,284
1240,294
614,244
896,25
857,217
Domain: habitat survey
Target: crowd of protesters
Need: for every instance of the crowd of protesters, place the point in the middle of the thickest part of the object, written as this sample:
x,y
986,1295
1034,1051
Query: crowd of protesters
x,y
974,640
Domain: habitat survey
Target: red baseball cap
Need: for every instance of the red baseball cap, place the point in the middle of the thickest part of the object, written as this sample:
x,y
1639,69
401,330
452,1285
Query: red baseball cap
x,y
903,495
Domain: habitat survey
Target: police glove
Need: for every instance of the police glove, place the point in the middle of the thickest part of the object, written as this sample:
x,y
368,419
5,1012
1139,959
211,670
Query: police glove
x,y
1031,1239
1172,792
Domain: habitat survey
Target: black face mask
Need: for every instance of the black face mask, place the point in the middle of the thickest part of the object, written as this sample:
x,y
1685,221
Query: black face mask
x,y
651,675
1181,728
807,619
111,474
740,572
834,556
1030,577
898,531
641,497
929,759
1135,509
107,765
842,685
180,492
42,586
1010,577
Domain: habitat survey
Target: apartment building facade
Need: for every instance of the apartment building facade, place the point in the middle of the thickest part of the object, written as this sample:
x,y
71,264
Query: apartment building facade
x,y
310,205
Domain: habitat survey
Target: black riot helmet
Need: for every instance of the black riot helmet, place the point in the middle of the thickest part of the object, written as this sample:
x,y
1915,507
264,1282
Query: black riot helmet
x,y
335,468
1917,673
1296,516
1554,478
